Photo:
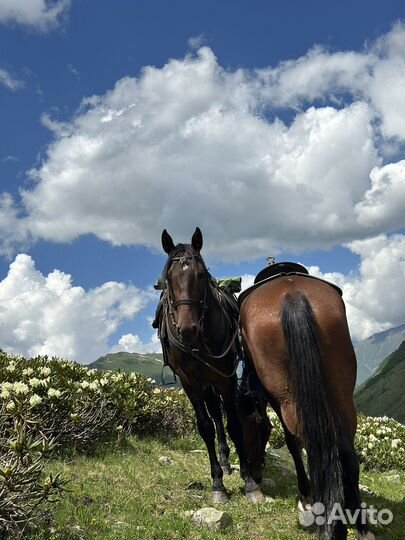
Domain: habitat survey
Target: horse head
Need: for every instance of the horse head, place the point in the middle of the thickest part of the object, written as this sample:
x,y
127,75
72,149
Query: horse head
x,y
185,281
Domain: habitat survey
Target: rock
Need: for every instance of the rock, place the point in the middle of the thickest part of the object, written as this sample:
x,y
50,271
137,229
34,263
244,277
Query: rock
x,y
165,460
212,518
366,490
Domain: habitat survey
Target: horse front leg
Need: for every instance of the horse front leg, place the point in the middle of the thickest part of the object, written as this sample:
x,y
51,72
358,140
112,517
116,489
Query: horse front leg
x,y
207,431
234,426
213,402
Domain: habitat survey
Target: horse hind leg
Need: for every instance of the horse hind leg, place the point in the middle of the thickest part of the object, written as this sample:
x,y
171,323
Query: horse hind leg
x,y
350,466
213,402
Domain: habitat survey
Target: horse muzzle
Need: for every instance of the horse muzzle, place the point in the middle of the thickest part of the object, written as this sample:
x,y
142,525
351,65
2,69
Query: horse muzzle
x,y
188,334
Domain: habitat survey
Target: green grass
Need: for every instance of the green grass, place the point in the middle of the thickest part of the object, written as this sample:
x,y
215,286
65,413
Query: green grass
x,y
126,494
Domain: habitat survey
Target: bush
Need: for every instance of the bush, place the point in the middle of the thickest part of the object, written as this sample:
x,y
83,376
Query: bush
x,y
380,443
24,492
52,405
80,407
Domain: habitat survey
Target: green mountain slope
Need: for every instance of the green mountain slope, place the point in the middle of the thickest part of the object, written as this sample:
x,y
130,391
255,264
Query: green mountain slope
x,y
371,351
150,365
384,393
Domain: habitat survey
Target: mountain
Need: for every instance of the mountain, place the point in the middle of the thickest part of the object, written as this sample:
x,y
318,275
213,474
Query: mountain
x,y
149,365
383,393
372,351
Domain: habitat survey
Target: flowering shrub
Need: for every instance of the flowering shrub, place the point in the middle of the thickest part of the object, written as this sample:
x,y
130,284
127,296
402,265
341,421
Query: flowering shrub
x,y
380,443
24,492
56,405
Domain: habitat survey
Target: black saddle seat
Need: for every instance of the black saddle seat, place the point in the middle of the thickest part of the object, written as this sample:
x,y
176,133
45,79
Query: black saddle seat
x,y
280,268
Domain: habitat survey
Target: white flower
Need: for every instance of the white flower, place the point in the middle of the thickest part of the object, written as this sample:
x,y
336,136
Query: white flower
x,y
395,443
85,384
53,392
103,381
10,406
45,371
5,393
35,400
93,385
34,382
91,371
20,388
11,367
28,371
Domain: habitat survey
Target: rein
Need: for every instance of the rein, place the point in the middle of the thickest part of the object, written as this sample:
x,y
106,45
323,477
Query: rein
x,y
170,307
194,353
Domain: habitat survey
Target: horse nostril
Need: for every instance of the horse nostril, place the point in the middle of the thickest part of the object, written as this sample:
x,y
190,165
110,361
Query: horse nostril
x,y
189,333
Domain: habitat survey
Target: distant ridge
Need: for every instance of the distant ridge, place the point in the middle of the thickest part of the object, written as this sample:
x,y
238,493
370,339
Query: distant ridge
x,y
149,365
383,394
372,351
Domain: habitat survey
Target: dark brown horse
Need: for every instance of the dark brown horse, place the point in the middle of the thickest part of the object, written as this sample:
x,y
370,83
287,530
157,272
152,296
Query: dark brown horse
x,y
198,329
295,335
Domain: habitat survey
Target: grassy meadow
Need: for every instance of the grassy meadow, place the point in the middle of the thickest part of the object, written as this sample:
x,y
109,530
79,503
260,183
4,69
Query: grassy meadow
x,y
125,493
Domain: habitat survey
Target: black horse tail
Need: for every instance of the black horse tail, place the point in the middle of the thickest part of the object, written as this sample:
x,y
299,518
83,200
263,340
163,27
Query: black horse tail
x,y
318,425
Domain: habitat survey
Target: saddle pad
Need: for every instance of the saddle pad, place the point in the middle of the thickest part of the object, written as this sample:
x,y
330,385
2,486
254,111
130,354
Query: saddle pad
x,y
258,283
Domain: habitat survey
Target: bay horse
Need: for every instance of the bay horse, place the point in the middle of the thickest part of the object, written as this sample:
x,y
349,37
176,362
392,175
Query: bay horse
x,y
296,338
199,336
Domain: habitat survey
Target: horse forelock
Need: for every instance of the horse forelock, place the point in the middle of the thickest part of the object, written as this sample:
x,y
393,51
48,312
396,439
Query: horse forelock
x,y
183,253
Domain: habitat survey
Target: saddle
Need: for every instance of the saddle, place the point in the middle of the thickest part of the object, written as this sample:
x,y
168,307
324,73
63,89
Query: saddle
x,y
277,270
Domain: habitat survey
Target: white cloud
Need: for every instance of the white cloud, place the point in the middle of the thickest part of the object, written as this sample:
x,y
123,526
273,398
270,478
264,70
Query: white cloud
x,y
375,75
133,343
373,294
383,204
9,81
190,144
49,315
40,14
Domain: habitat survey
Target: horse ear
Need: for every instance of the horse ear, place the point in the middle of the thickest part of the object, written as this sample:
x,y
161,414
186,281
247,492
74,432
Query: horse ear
x,y
197,240
167,242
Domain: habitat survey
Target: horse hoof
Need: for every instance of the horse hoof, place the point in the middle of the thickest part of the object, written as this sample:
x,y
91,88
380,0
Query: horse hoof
x,y
219,497
226,469
255,496
304,508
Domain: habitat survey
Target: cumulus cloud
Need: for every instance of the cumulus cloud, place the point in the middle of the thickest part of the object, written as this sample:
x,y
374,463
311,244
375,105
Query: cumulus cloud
x,y
49,315
193,143
9,81
373,293
375,75
39,14
133,343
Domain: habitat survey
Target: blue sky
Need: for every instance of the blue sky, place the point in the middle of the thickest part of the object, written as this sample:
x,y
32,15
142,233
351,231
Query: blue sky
x,y
277,127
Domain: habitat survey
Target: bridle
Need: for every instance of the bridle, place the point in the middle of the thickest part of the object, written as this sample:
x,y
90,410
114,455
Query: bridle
x,y
174,304
171,308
